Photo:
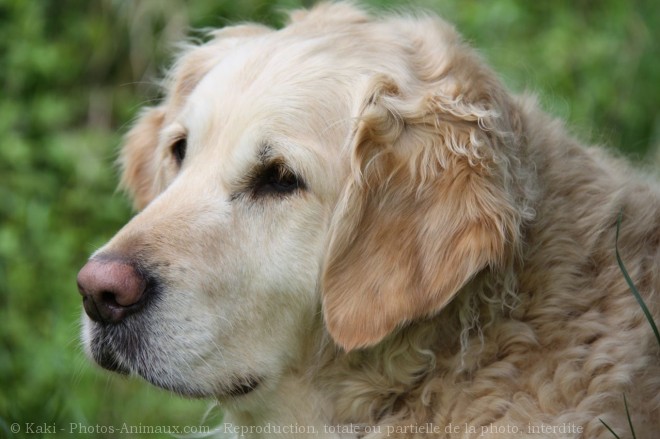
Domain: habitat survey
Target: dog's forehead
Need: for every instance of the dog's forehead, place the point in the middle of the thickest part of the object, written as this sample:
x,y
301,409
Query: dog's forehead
x,y
294,88
218,92
265,77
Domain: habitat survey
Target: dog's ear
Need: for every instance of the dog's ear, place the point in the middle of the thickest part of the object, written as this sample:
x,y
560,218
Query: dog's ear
x,y
139,167
425,209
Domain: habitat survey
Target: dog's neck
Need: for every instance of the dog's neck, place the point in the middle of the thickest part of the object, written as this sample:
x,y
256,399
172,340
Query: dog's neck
x,y
295,409
335,394
297,405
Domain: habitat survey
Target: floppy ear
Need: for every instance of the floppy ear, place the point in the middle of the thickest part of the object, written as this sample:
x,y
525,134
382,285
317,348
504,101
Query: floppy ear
x,y
137,161
425,210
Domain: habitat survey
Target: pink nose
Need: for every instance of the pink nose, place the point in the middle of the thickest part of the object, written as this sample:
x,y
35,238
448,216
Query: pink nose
x,y
111,289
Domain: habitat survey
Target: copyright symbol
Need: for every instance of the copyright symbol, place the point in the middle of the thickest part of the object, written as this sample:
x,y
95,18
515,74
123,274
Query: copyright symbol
x,y
15,427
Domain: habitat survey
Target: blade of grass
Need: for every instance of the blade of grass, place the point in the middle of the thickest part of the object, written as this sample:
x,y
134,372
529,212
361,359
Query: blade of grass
x,y
608,427
632,430
638,297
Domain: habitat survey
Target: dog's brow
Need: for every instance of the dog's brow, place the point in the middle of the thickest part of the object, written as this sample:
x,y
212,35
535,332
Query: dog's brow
x,y
265,153
267,156
173,132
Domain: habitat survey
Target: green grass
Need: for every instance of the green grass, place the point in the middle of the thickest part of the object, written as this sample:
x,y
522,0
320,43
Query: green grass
x,y
644,308
631,284
76,72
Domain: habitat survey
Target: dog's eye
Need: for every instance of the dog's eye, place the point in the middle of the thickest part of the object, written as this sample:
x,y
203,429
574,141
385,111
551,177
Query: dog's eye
x,y
276,179
179,150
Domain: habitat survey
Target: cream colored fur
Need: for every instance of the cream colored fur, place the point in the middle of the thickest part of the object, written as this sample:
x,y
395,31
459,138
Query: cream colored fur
x,y
449,262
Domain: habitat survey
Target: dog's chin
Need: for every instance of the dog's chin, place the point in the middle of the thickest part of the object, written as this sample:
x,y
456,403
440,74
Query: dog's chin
x,y
231,392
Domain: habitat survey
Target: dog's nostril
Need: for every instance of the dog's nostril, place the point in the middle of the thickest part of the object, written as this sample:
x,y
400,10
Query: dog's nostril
x,y
109,298
111,289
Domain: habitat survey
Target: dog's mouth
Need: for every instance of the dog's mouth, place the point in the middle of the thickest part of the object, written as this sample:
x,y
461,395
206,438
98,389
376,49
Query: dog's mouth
x,y
107,359
110,349
243,387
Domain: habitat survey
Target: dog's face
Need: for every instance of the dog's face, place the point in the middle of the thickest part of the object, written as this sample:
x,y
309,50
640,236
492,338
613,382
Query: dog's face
x,y
245,169
338,164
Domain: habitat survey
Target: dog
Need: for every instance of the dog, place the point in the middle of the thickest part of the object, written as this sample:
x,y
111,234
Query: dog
x,y
348,227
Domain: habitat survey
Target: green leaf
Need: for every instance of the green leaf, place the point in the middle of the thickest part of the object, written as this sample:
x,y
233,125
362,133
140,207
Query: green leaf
x,y
608,427
632,429
630,282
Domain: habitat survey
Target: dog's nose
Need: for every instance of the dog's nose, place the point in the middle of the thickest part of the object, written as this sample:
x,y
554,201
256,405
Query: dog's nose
x,y
111,289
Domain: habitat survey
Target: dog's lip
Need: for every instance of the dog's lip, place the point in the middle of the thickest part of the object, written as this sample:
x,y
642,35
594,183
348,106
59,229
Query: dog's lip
x,y
107,359
243,387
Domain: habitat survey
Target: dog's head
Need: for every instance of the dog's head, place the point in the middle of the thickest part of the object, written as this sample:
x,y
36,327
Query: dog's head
x,y
352,167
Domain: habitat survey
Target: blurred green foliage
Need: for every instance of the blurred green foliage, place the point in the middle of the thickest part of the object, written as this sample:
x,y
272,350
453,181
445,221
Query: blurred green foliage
x,y
73,73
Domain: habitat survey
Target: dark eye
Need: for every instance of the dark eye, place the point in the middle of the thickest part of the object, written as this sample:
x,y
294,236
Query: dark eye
x,y
276,179
179,150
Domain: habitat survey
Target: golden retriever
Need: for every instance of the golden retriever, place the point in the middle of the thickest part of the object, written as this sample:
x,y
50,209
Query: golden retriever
x,y
348,227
